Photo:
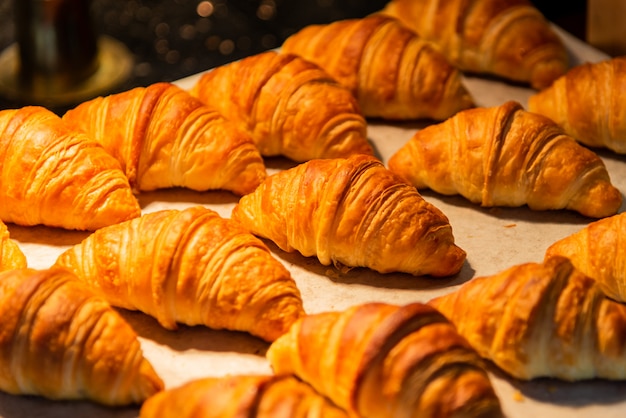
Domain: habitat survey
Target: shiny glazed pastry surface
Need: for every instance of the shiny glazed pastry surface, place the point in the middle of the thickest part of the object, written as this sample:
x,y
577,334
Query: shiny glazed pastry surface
x,y
352,212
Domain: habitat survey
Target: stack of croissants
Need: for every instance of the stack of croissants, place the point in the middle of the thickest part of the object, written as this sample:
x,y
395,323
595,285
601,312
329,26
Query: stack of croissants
x,y
63,338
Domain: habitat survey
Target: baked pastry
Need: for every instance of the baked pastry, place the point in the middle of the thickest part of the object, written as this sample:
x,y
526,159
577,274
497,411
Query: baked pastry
x,y
54,176
164,137
506,156
394,74
11,255
290,106
241,396
506,38
352,212
587,103
192,267
541,320
597,250
59,340
380,360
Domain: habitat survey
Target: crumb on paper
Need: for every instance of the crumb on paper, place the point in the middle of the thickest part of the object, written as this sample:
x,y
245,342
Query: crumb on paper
x,y
518,397
510,225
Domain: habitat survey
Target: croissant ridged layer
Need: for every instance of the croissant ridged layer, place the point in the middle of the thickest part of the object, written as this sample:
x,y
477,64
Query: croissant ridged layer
x,y
189,266
588,103
506,156
510,39
382,360
290,106
59,340
541,320
164,137
52,175
394,74
598,250
352,212
241,396
11,255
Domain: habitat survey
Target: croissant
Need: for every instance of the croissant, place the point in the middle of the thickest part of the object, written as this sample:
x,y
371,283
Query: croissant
x,y
541,320
290,106
393,73
510,39
241,396
189,266
164,137
383,360
597,250
54,176
59,340
587,103
506,156
352,212
11,255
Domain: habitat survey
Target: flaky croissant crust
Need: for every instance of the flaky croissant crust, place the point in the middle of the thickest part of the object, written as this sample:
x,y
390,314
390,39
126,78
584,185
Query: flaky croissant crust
x,y
352,212
164,137
253,396
52,175
58,339
587,102
393,73
598,251
506,156
290,106
511,39
382,360
541,320
189,266
11,255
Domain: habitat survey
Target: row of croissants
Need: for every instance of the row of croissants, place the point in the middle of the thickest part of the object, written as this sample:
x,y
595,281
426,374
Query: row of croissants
x,y
62,338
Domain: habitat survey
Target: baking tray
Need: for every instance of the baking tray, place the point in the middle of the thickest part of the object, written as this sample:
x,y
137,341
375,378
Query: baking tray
x,y
494,239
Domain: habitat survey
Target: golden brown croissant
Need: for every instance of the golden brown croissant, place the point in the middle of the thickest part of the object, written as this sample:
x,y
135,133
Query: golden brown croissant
x,y
11,255
241,396
598,251
506,156
587,102
54,176
541,320
352,212
290,106
59,340
191,267
164,137
382,360
394,74
508,38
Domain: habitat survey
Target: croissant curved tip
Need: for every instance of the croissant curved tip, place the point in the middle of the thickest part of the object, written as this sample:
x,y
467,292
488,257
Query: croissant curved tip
x,y
545,73
601,201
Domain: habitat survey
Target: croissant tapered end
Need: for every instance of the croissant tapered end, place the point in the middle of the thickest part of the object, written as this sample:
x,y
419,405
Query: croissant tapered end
x,y
71,343
164,137
196,268
55,176
393,73
541,320
352,212
381,360
11,255
597,250
258,396
290,106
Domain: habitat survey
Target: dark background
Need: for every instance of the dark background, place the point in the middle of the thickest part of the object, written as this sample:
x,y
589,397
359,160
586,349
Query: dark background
x,y
170,40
